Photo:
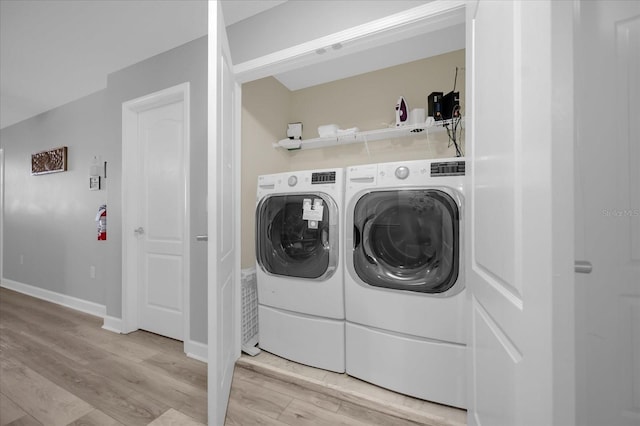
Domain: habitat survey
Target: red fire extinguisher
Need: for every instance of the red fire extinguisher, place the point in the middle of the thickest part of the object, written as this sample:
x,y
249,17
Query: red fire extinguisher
x,y
101,220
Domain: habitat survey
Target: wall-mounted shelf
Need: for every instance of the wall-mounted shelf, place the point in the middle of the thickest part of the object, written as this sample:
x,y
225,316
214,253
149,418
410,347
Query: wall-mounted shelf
x,y
361,137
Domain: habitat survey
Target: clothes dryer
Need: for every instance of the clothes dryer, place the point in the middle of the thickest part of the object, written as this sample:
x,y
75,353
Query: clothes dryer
x,y
404,279
300,267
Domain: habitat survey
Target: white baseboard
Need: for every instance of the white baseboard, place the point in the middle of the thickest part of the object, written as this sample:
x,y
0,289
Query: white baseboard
x,y
196,350
87,307
112,324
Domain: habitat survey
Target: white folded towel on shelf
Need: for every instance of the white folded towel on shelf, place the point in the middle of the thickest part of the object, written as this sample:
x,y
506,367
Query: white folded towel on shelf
x,y
331,130
327,130
348,131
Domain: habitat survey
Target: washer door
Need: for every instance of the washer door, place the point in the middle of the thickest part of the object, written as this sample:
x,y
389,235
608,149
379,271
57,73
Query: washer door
x,y
407,240
297,235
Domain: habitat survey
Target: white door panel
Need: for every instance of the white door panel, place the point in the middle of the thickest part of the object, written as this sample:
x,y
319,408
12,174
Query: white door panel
x,y
223,188
155,213
162,209
494,370
516,179
496,303
608,212
164,271
495,183
163,172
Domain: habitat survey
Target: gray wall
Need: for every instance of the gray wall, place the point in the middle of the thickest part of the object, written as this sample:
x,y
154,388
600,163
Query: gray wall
x,y
49,228
49,219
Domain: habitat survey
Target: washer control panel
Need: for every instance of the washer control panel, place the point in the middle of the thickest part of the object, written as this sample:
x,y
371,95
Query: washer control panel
x,y
323,177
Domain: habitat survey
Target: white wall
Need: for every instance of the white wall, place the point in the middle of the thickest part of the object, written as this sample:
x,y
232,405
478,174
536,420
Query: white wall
x,y
49,230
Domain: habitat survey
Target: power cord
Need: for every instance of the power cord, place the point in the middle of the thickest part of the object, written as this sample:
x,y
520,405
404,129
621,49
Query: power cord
x,y
456,117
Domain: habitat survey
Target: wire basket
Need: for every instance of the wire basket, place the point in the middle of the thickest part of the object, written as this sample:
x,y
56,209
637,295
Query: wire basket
x,y
250,329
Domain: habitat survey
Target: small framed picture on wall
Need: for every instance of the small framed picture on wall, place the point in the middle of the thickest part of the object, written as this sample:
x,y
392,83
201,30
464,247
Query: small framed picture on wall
x,y
51,161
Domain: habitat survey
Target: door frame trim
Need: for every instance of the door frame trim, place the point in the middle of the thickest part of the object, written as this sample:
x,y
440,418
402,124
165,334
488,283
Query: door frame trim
x,y
130,209
1,214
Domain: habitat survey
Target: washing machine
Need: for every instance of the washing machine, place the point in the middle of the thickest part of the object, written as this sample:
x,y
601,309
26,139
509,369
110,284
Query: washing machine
x,y
404,277
300,267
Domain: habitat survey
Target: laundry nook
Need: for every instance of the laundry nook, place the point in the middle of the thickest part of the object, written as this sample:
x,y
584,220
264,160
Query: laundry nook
x,y
354,219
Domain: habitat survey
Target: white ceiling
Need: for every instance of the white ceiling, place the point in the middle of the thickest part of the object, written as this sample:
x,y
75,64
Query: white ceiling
x,y
382,56
55,51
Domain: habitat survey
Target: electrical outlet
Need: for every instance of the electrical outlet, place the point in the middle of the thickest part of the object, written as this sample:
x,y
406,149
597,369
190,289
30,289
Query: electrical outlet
x,y
92,272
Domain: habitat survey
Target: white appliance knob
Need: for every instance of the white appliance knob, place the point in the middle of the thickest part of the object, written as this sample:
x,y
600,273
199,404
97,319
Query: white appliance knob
x,y
293,180
402,172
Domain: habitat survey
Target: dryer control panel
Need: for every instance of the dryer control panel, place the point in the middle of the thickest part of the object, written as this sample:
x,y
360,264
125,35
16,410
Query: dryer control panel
x,y
448,168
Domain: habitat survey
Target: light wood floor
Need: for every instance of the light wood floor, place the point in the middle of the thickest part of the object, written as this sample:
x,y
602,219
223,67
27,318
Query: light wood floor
x,y
353,401
58,367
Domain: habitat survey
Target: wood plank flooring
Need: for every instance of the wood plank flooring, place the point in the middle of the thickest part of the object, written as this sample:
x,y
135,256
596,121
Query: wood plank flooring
x,y
59,367
354,401
285,404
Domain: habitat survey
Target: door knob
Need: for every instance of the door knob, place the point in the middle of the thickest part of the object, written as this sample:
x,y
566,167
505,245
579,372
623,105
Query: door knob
x,y
139,230
202,238
583,266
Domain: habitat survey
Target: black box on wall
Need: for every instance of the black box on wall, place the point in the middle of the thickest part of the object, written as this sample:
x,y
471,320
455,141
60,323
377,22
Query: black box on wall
x,y
434,107
450,105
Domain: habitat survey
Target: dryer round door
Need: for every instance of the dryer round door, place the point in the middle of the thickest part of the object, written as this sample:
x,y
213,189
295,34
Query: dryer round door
x,y
407,240
297,235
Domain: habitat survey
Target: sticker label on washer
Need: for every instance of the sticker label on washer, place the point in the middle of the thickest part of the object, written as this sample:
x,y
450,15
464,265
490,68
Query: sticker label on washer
x,y
312,212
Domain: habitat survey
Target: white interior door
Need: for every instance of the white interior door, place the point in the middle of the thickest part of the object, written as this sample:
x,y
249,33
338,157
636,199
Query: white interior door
x,y
518,238
161,231
155,220
608,212
223,214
